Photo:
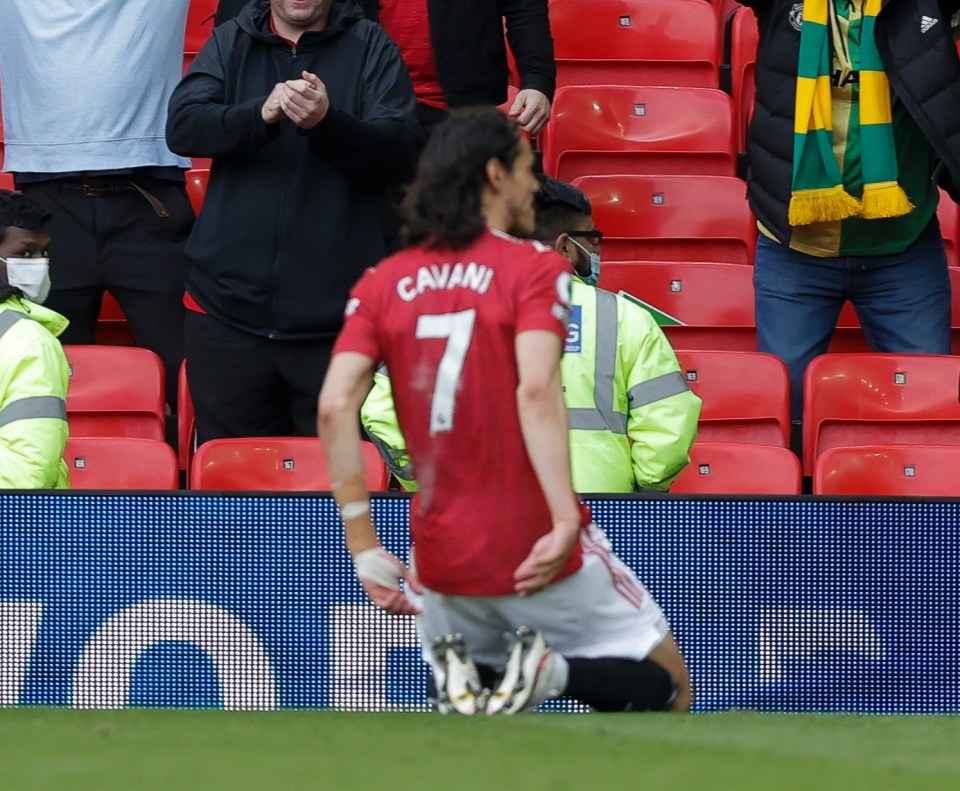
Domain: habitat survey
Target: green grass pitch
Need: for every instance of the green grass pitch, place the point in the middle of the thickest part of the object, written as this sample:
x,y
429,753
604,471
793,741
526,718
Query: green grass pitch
x,y
45,749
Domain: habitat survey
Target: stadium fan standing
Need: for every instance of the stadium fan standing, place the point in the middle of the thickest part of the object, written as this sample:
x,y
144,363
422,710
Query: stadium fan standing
x,y
307,111
85,90
471,323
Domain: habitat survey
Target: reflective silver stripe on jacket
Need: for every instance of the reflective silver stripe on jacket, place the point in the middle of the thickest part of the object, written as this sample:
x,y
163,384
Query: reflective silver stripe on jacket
x,y
602,417
33,406
10,317
655,389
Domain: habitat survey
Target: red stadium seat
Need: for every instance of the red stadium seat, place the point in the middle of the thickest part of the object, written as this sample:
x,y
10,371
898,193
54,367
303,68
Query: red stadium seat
x,y
869,398
672,218
115,391
599,129
121,463
197,179
746,395
634,42
186,420
199,24
6,181
700,306
744,38
889,470
290,464
739,468
112,328
949,215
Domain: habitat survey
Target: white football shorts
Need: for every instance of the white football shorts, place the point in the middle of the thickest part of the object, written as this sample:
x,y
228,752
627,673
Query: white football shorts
x,y
602,610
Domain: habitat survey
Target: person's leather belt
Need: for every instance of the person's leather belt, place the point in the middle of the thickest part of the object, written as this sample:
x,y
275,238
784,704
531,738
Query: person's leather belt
x,y
99,187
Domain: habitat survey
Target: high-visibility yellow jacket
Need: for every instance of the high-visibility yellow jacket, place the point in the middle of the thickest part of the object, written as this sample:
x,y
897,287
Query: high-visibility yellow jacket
x,y
632,416
33,390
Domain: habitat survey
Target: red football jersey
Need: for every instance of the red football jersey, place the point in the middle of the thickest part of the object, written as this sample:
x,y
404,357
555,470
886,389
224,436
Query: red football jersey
x,y
445,323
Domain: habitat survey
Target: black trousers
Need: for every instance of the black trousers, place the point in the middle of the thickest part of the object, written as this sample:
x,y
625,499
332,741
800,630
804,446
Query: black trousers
x,y
118,242
245,385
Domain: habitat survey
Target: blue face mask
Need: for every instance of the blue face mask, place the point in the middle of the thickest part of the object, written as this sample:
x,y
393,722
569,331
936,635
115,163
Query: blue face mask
x,y
594,276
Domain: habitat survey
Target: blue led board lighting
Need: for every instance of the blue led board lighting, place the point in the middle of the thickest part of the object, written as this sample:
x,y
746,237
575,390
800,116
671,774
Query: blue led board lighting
x,y
250,602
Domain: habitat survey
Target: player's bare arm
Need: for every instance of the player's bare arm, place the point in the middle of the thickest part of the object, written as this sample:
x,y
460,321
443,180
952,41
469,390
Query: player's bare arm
x,y
543,421
347,383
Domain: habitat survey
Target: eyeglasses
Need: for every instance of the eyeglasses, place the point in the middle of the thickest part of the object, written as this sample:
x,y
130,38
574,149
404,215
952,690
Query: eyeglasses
x,y
594,237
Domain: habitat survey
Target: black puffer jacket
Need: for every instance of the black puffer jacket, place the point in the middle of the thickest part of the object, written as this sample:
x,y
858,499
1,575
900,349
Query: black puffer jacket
x,y
291,219
921,63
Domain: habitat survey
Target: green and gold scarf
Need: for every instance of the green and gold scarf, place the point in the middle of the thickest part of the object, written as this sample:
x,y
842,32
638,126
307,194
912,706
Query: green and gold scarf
x,y
818,194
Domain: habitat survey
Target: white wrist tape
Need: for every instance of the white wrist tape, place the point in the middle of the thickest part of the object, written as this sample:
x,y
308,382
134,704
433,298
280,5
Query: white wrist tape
x,y
354,509
378,566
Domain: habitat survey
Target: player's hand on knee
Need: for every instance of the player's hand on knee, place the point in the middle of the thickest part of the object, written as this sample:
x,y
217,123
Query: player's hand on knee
x,y
380,574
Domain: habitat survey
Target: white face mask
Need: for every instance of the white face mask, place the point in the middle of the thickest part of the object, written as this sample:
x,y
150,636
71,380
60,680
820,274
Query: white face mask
x,y
594,276
30,275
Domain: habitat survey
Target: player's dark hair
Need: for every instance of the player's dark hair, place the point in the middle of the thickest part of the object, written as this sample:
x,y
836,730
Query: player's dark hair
x,y
19,211
559,207
442,206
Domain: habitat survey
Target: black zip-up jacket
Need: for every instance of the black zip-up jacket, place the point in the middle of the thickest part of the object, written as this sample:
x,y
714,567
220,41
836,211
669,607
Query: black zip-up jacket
x,y
920,60
469,49
292,218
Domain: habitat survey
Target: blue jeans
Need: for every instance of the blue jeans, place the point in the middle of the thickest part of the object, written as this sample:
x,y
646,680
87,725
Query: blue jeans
x,y
902,301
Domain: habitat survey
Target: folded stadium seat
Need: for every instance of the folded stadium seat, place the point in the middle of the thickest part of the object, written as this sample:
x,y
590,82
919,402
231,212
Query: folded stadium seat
x,y
6,181
949,215
598,129
112,328
197,179
741,38
186,422
115,391
889,470
739,468
698,305
872,397
635,42
121,463
849,337
289,464
199,27
672,218
746,395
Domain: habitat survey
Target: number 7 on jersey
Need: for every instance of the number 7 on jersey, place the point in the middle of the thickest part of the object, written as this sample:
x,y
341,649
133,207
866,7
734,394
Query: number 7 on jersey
x,y
457,329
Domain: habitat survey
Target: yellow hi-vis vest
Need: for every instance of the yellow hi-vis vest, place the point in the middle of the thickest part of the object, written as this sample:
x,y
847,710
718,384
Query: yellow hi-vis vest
x,y
33,390
632,416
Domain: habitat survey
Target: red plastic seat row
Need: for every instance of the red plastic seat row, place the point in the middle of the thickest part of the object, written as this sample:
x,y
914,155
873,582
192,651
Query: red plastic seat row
x,y
255,464
876,398
609,129
889,470
635,42
737,468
